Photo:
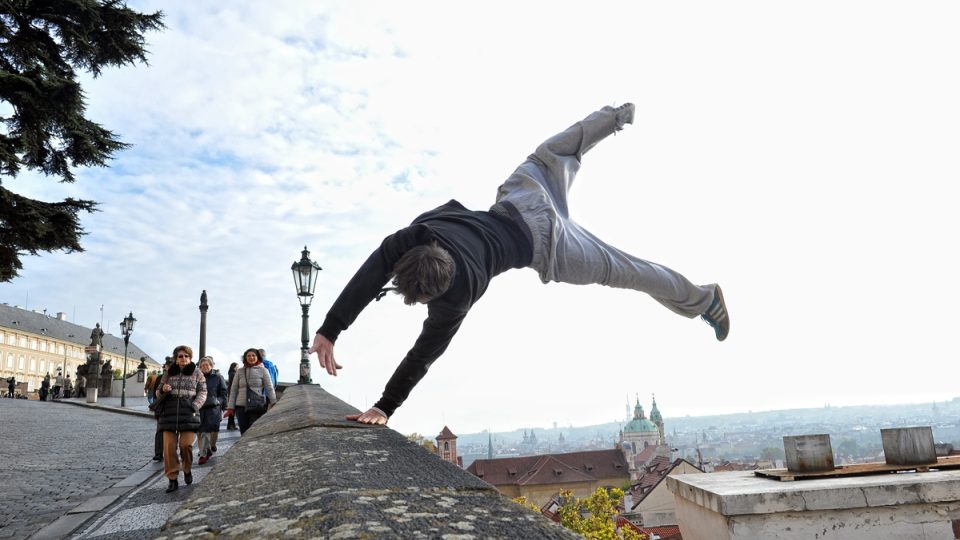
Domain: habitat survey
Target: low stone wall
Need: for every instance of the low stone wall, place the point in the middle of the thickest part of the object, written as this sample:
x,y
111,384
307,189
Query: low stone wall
x,y
743,506
303,471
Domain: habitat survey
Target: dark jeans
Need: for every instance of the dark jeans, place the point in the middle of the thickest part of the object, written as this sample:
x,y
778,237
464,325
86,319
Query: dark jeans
x,y
245,420
158,444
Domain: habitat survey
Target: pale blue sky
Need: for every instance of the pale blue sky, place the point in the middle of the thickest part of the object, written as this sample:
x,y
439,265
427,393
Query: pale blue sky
x,y
802,155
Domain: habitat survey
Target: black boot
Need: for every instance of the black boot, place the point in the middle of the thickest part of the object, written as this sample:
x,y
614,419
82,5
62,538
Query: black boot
x,y
187,478
173,486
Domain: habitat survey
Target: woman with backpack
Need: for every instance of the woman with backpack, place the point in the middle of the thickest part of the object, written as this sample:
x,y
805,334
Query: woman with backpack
x,y
183,390
251,392
211,410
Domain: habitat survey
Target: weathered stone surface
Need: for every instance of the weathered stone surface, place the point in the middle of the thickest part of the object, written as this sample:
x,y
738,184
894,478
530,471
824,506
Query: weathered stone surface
x,y
736,493
302,471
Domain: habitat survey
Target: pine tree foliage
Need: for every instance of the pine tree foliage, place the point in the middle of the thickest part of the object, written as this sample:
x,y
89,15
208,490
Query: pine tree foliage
x,y
42,124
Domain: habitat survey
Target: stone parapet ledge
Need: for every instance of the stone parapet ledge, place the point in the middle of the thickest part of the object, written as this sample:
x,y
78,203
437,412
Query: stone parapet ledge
x,y
738,493
741,506
302,471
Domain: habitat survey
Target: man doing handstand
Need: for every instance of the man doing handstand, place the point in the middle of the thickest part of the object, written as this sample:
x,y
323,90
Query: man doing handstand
x,y
447,257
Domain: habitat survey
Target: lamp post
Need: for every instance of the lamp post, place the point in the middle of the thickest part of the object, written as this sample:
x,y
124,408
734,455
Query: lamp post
x,y
126,328
305,273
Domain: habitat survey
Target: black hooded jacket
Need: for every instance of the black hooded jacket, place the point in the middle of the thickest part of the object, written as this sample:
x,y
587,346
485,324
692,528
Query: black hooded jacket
x,y
482,244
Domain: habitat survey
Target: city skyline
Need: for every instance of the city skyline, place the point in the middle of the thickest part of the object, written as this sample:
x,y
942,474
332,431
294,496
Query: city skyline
x,y
800,156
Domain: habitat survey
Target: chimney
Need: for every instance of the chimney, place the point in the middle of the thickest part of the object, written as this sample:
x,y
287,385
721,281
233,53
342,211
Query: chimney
x,y
61,316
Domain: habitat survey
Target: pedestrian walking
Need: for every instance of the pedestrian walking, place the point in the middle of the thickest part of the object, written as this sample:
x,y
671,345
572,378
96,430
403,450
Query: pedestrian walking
x,y
148,388
231,373
447,257
11,386
211,413
251,393
156,407
183,391
57,385
271,367
45,387
81,386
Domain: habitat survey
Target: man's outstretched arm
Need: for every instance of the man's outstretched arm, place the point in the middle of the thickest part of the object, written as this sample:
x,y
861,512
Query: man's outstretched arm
x,y
438,329
363,287
324,349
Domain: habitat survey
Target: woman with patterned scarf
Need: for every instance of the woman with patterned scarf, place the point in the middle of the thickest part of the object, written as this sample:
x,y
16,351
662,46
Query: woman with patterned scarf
x,y
182,392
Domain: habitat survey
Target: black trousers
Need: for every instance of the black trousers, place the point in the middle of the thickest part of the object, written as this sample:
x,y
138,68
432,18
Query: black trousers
x,y
158,444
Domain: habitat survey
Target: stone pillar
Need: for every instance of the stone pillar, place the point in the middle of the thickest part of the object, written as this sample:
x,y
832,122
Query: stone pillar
x,y
93,376
203,324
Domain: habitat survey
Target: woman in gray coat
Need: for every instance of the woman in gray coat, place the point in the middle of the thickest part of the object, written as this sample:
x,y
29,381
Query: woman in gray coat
x,y
251,378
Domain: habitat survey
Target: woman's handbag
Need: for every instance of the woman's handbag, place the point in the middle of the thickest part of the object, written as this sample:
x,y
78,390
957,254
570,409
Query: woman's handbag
x,y
256,403
157,406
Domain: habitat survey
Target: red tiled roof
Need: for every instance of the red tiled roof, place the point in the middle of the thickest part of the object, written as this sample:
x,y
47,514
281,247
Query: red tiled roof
x,y
641,459
446,434
529,470
550,470
656,471
670,532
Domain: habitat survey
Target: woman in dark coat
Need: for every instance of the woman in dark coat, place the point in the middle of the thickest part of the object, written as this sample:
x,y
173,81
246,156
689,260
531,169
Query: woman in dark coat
x,y
183,390
212,409
231,373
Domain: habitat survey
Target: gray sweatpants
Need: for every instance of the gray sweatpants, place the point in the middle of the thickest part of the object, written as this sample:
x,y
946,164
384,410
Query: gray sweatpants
x,y
565,252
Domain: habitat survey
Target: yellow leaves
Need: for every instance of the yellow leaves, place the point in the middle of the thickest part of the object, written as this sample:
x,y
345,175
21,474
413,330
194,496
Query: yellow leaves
x,y
595,517
526,503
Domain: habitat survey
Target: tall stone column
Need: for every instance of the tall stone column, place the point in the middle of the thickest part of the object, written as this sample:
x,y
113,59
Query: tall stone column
x,y
203,324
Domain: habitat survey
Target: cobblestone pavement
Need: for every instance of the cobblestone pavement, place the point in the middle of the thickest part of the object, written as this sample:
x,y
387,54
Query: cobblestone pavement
x,y
140,513
56,456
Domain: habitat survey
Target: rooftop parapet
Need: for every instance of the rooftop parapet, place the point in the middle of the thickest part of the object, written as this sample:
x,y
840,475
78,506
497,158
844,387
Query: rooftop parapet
x,y
302,471
741,505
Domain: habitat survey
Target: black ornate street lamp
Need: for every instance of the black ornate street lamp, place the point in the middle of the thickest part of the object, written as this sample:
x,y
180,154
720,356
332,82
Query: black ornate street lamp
x,y
305,273
126,328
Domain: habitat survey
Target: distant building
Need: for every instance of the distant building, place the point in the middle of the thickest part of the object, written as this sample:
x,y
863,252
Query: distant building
x,y
642,439
648,502
33,344
539,478
447,447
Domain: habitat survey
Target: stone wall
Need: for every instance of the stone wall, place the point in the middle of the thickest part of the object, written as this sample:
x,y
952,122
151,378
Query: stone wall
x,y
304,471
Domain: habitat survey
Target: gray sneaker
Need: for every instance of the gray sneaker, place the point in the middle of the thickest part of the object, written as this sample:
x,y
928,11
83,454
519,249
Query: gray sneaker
x,y
717,316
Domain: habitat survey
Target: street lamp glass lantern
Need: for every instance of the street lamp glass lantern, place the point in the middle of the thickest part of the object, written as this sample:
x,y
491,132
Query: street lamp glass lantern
x,y
127,325
305,274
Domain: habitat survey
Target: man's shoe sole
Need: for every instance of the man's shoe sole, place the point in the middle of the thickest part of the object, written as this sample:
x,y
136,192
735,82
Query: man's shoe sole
x,y
719,328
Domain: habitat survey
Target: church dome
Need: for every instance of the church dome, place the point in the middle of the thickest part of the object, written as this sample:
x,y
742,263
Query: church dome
x,y
640,425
